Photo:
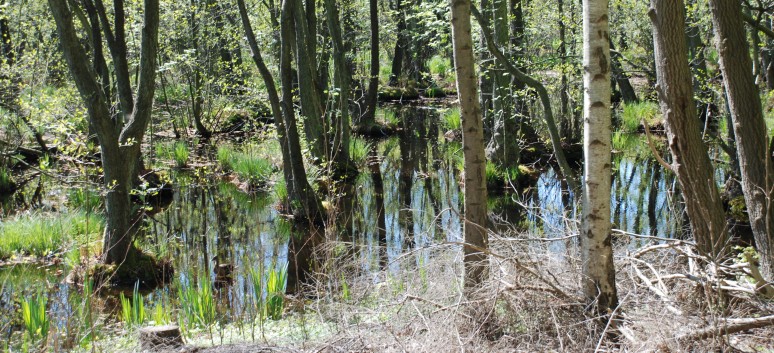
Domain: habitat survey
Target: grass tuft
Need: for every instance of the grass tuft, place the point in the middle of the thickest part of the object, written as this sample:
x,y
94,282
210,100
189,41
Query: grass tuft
x,y
46,234
451,119
133,310
633,114
197,303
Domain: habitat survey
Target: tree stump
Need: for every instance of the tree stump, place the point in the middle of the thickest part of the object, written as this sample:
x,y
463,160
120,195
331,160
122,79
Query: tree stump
x,y
160,337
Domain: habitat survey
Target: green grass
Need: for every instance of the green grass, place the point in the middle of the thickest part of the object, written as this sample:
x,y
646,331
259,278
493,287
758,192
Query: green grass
x,y
197,303
44,234
34,316
358,150
388,116
83,199
276,283
451,119
250,165
177,152
633,114
133,310
180,154
496,175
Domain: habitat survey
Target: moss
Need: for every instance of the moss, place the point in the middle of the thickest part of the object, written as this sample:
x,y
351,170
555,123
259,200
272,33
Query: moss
x,y
391,93
138,266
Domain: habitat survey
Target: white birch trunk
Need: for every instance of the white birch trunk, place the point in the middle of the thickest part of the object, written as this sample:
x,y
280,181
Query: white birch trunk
x,y
596,248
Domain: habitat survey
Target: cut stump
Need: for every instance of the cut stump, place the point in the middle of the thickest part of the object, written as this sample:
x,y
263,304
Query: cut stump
x,y
155,338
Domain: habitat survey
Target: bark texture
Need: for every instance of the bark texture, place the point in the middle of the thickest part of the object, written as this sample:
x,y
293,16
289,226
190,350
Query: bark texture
x,y
119,141
689,153
476,240
749,128
596,248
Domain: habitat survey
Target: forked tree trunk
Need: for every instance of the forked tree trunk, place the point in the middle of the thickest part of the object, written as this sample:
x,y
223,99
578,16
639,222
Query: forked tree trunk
x,y
474,228
749,128
595,238
691,162
119,142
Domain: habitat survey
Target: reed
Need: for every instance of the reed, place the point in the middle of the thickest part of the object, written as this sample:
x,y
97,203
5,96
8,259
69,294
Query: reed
x,y
197,303
133,310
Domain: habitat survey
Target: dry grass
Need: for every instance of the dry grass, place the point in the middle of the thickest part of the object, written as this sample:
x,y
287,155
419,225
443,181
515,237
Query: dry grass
x,y
531,304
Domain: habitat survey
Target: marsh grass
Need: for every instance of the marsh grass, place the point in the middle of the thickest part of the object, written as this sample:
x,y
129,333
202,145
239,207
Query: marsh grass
x,y
633,114
45,234
451,119
197,303
358,150
35,317
250,165
85,199
133,310
180,154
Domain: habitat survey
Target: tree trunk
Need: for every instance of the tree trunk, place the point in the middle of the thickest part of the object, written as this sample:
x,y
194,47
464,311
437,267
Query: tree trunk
x,y
308,206
474,228
622,78
119,142
341,163
691,162
311,105
400,45
368,119
748,125
596,247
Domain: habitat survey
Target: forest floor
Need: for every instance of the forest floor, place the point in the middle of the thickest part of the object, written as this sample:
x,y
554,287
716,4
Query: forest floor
x,y
669,301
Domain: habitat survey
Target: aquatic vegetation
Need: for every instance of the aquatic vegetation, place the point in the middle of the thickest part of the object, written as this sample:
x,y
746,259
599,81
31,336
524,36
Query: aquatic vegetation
x,y
633,114
272,303
133,310
180,153
45,234
197,303
85,199
177,152
358,150
276,283
34,316
249,165
451,119
225,155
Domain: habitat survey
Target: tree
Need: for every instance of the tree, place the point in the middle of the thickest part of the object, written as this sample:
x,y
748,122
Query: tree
x,y
368,118
691,162
595,238
303,200
744,103
474,228
120,137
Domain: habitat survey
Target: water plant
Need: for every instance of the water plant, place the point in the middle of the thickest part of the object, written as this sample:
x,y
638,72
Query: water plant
x,y
180,154
133,310
197,302
34,316
84,199
276,283
225,155
633,114
249,165
43,234
451,119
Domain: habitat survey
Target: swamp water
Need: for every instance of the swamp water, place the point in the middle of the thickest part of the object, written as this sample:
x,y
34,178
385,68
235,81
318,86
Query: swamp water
x,y
406,199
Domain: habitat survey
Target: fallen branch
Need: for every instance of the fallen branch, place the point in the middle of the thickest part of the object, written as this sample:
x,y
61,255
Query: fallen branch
x,y
727,327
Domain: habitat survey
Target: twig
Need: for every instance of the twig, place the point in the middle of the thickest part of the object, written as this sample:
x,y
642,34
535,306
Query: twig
x,y
727,327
